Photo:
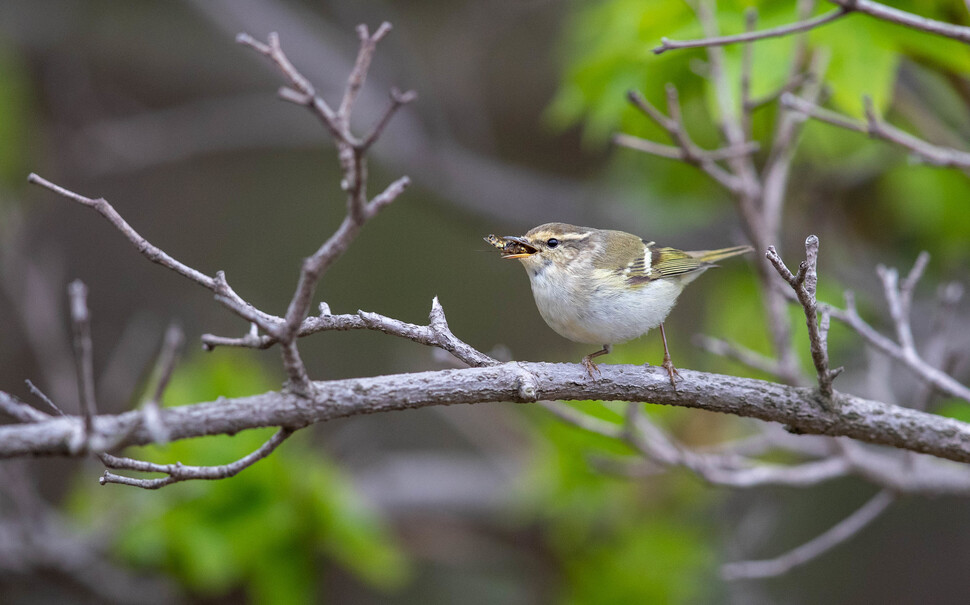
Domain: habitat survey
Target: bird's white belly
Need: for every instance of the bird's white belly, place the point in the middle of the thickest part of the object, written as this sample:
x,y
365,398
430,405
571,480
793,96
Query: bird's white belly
x,y
606,318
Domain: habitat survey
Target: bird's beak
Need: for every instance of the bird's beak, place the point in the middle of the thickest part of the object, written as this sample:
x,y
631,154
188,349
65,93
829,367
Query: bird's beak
x,y
512,246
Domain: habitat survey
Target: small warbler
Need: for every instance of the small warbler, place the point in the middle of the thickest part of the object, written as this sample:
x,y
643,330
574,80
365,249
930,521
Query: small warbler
x,y
603,287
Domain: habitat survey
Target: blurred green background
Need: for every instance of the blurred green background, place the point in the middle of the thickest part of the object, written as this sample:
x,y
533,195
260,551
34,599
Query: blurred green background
x,y
153,106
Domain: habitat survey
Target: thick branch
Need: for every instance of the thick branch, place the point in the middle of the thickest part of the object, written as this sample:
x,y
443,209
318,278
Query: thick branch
x,y
797,408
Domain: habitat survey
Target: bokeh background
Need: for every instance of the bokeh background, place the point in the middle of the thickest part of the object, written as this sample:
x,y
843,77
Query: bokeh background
x,y
155,107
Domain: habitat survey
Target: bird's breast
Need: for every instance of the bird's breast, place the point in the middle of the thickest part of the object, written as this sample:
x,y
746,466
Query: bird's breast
x,y
602,311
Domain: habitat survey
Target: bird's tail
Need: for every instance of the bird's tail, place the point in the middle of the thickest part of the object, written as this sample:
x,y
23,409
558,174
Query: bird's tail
x,y
712,256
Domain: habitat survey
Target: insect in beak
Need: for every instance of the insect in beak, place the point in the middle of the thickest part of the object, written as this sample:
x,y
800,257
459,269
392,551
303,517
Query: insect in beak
x,y
512,246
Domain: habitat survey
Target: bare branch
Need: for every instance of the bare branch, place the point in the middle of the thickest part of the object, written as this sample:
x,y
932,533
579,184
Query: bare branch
x,y
43,397
19,410
804,284
398,100
178,472
168,356
689,152
216,284
734,351
304,93
387,196
935,155
777,168
368,44
83,354
435,334
679,153
747,66
775,32
816,547
894,15
937,346
583,421
908,356
351,153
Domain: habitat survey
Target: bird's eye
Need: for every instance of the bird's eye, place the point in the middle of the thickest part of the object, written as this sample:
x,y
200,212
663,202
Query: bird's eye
x,y
552,242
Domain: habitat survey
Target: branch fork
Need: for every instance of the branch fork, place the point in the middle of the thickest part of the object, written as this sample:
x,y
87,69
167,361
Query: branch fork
x,y
804,283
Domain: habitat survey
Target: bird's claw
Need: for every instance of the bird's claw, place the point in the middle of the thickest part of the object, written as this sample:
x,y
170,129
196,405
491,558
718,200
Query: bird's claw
x,y
668,365
591,367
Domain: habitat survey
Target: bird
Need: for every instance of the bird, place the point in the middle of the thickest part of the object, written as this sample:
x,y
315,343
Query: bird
x,y
605,287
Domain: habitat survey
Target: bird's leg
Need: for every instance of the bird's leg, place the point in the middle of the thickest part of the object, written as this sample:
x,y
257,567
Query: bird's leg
x,y
668,363
588,360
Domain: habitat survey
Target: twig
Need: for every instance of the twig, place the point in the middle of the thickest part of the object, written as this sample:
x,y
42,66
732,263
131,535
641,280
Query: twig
x,y
752,359
747,66
777,168
43,397
436,334
352,155
178,472
660,451
804,284
730,470
689,152
814,548
19,410
679,153
368,44
937,347
83,355
935,155
216,284
793,83
751,36
168,356
894,15
900,298
908,356
303,92
583,421
398,100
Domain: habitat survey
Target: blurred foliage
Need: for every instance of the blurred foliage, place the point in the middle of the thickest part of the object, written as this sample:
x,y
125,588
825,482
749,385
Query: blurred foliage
x,y
267,529
617,540
608,51
14,119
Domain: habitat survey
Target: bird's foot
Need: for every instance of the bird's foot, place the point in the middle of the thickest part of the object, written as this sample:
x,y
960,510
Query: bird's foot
x,y
590,366
668,365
